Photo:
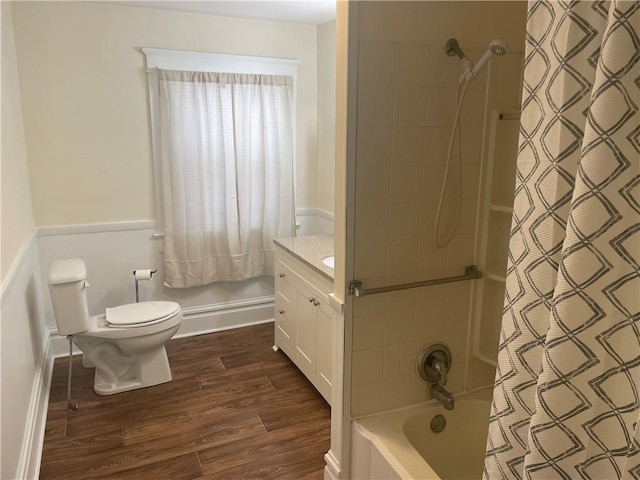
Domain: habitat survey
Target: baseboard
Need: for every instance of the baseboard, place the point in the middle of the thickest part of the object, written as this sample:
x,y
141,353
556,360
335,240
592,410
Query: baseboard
x,y
200,320
215,318
31,451
332,467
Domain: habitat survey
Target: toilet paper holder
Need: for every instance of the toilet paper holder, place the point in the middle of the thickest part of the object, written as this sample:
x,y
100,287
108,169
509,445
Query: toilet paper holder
x,y
142,275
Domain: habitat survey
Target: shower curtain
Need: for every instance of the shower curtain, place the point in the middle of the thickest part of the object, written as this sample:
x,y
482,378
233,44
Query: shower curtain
x,y
566,401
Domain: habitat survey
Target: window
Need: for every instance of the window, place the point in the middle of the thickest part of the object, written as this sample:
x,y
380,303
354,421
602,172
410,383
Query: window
x,y
223,138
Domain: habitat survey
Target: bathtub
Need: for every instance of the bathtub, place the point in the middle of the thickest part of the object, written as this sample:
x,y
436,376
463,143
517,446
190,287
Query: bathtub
x,y
401,444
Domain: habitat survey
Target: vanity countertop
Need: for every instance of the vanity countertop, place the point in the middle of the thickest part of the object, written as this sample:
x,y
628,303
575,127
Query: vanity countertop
x,y
311,250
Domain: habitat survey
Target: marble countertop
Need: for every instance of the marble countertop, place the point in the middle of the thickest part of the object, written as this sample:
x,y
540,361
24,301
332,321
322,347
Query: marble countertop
x,y
311,250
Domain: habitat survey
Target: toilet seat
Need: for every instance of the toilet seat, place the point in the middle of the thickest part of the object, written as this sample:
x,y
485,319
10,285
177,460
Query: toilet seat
x,y
141,314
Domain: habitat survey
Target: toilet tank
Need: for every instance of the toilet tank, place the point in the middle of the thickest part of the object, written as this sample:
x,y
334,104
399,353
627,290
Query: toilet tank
x,y
68,289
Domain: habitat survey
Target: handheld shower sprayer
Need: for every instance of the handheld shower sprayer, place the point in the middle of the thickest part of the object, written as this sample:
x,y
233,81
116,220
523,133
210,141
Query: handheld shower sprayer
x,y
450,193
496,47
469,72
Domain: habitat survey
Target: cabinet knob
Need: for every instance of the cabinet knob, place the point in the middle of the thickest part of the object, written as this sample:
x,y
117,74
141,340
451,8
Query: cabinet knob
x,y
312,300
316,303
282,275
281,312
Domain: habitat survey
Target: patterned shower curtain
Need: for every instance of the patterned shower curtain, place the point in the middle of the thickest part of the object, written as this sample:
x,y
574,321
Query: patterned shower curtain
x,y
566,401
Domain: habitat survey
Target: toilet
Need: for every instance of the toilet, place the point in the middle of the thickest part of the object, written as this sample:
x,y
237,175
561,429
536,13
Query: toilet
x,y
125,344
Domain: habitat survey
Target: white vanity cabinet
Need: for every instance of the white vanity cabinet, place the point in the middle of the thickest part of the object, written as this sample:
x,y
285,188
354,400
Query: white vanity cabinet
x,y
303,319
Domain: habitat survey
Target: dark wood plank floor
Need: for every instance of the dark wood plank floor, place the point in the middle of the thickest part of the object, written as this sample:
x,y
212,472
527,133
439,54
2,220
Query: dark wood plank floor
x,y
235,409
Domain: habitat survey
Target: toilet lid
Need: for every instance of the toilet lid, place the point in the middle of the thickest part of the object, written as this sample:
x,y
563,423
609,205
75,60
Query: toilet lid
x,y
141,314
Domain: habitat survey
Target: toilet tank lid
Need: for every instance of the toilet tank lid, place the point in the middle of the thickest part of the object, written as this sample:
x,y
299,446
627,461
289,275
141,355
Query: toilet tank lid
x,y
67,271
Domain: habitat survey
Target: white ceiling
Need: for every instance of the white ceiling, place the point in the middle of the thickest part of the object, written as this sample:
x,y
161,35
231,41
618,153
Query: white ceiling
x,y
312,12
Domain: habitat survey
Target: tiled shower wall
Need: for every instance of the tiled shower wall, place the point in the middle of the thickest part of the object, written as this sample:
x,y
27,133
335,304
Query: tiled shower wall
x,y
406,104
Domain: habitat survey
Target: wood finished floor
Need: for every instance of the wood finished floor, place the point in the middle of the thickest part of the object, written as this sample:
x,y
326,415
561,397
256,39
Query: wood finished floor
x,y
234,410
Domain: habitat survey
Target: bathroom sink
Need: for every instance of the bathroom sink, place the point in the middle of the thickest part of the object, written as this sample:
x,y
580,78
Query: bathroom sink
x,y
328,261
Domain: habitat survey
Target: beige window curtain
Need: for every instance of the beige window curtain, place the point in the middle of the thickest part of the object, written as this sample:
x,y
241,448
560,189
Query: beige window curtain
x,y
226,156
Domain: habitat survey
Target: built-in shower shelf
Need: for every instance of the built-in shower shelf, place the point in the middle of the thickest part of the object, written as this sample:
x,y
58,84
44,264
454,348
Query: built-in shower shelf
x,y
496,278
496,222
486,359
501,208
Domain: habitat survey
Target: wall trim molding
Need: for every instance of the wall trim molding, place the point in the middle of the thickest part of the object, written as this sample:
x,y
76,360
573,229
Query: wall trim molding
x,y
33,441
305,212
332,466
200,320
81,228
16,266
97,227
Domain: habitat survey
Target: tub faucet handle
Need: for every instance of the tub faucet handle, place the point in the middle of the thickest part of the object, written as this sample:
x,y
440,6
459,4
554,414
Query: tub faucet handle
x,y
437,360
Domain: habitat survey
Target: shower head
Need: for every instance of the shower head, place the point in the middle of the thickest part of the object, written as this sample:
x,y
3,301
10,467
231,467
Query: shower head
x,y
496,47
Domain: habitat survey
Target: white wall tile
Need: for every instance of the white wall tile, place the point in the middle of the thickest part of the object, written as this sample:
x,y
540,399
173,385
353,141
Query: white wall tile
x,y
368,305
400,300
370,260
372,186
411,64
429,320
405,184
398,360
398,326
432,178
460,252
441,107
436,145
409,106
470,179
367,365
402,221
373,146
457,343
368,331
397,392
471,142
375,104
456,308
401,257
366,398
408,146
376,62
371,224
430,258
473,111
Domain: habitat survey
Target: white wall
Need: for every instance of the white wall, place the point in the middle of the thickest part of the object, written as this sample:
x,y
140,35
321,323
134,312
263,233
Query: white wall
x,y
326,115
88,136
85,100
17,215
23,360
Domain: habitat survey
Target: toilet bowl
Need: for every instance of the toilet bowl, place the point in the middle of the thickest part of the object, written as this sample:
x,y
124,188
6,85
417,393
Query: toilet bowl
x,y
125,344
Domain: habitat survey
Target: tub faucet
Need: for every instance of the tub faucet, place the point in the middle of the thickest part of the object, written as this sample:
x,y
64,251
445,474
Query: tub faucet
x,y
433,365
438,392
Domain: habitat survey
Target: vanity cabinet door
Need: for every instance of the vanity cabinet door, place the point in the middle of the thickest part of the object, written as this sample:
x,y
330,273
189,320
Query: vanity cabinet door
x,y
304,321
324,350
306,330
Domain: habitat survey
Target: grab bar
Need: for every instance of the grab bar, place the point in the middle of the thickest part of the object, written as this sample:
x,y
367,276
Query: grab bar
x,y
471,272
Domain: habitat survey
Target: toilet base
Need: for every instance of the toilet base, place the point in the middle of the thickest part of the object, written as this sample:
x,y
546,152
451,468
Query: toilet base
x,y
151,368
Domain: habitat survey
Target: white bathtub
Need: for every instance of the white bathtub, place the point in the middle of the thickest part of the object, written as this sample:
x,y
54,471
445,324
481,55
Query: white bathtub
x,y
401,445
